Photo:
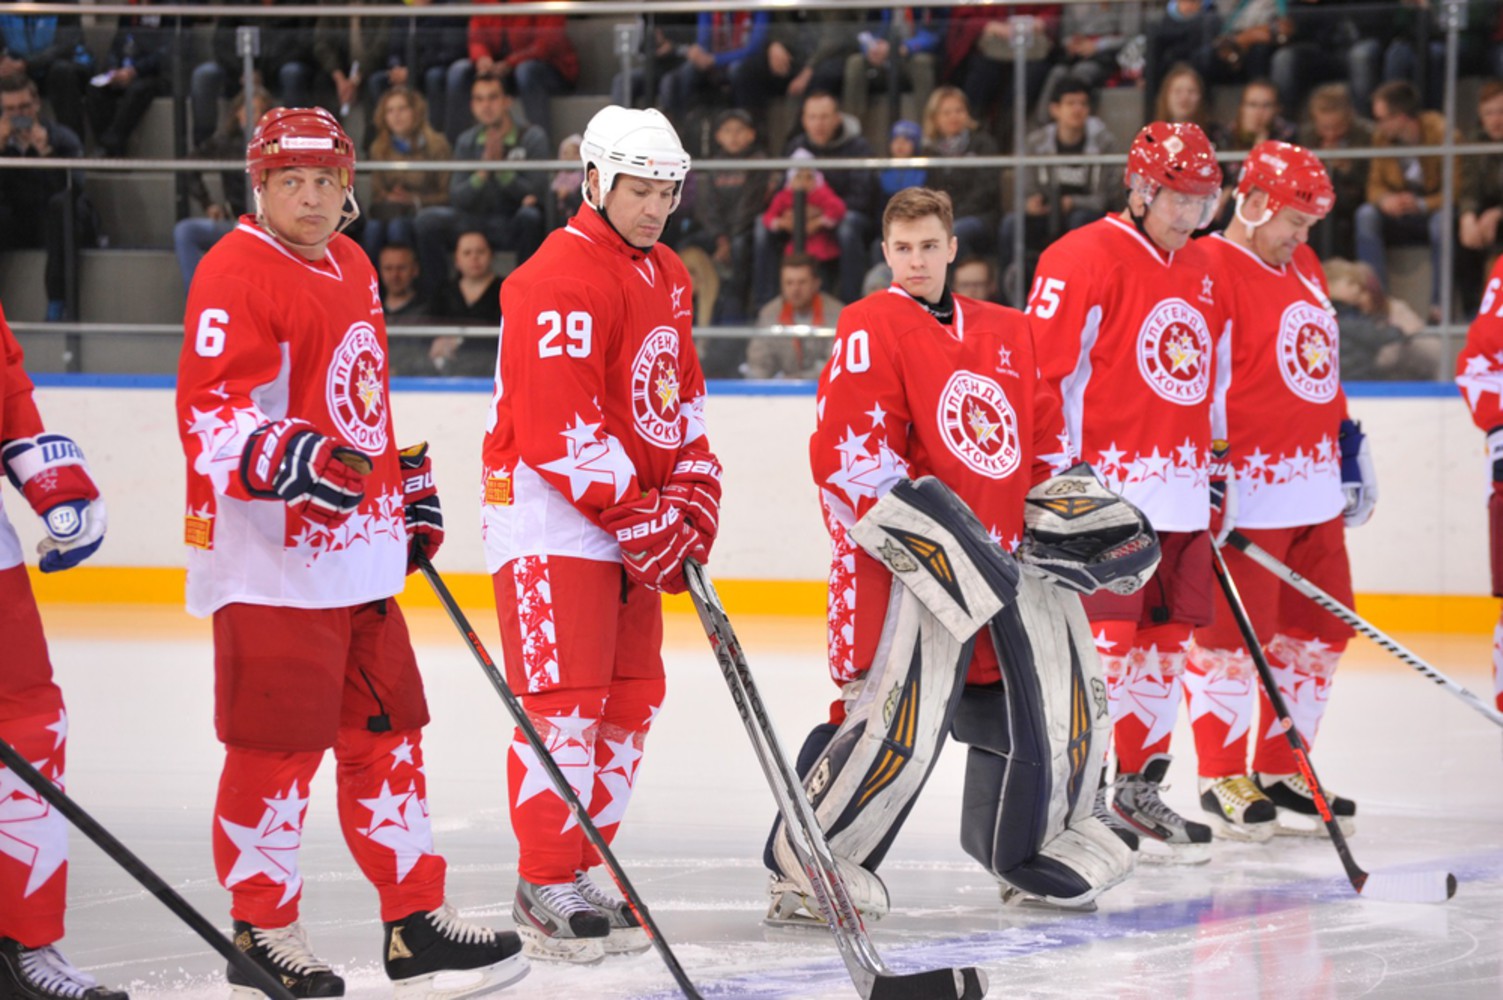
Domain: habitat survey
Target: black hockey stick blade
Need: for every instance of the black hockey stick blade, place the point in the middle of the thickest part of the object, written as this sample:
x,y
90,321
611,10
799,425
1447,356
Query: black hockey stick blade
x,y
138,869
872,978
1392,887
556,776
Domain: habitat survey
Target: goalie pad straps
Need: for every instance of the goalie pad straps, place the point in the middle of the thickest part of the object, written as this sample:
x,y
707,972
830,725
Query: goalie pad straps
x,y
1037,740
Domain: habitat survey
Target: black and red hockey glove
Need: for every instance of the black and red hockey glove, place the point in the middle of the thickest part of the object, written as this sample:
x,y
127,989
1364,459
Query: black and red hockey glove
x,y
425,519
289,461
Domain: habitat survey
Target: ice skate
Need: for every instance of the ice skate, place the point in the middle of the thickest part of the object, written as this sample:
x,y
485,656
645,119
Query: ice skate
x,y
439,956
44,974
627,936
1163,834
1297,815
1237,808
1017,899
1113,822
557,924
792,904
283,952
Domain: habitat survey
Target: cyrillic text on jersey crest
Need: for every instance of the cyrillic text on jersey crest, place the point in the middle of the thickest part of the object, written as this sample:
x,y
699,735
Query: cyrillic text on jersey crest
x,y
1308,357
1174,352
357,389
655,395
979,425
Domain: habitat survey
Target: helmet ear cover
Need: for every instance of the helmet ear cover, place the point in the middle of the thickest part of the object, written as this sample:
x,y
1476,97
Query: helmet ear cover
x,y
637,143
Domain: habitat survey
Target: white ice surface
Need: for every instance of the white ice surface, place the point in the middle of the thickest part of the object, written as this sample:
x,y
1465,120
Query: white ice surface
x,y
1276,920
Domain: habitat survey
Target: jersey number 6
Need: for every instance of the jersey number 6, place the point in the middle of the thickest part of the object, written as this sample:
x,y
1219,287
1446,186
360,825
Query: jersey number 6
x,y
576,327
209,341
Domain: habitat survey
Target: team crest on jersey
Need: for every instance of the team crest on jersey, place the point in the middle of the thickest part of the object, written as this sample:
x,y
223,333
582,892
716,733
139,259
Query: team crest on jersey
x,y
356,394
655,396
1307,352
979,425
1174,352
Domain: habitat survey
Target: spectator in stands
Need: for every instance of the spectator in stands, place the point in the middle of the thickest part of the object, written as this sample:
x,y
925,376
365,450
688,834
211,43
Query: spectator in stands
x,y
1180,37
285,66
1334,125
419,54
1100,44
1381,337
892,44
192,237
532,51
565,189
505,204
36,204
346,50
473,298
1249,34
1181,97
802,303
829,135
712,66
404,305
402,133
979,52
1419,26
949,130
662,50
1479,200
726,208
976,278
134,75
904,140
1257,119
1332,40
49,49
1066,196
1404,195
822,212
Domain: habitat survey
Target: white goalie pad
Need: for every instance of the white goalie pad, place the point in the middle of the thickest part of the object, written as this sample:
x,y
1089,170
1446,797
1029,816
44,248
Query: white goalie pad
x,y
1037,742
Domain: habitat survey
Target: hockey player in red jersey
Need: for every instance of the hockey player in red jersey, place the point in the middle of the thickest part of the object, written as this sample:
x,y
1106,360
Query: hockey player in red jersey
x,y
50,472
1127,315
1479,376
599,482
925,387
1297,472
302,520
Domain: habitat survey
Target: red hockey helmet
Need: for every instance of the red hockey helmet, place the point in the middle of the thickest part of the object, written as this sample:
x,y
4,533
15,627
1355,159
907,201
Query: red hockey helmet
x,y
299,137
1175,155
1290,175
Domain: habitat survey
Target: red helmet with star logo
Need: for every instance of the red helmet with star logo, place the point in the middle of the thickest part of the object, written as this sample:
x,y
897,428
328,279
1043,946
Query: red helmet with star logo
x,y
1175,155
1290,175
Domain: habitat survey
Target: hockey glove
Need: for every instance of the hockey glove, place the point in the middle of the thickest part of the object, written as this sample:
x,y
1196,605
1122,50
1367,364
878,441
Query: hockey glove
x,y
1495,452
655,539
694,486
51,473
1358,480
289,461
1082,536
1223,493
425,520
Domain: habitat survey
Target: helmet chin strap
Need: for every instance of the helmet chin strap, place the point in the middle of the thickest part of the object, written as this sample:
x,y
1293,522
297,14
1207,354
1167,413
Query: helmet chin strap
x,y
1250,224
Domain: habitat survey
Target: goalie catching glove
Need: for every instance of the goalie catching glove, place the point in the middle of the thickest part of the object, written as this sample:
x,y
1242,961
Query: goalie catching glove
x,y
1084,537
655,539
51,473
425,519
289,461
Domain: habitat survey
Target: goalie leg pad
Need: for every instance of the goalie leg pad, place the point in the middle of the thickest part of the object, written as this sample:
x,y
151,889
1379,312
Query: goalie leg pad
x,y
938,550
1031,781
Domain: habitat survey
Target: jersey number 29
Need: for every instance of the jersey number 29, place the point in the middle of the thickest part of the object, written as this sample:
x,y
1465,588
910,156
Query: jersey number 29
x,y
575,328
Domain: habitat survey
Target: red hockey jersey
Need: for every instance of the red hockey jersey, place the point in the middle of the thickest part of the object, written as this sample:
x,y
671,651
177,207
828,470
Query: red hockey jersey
x,y
1479,366
1128,336
903,396
18,419
1279,404
598,391
268,336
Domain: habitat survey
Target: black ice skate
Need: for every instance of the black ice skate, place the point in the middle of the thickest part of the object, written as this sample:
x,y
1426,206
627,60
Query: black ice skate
x,y
439,956
284,952
557,924
44,974
1298,816
1107,815
627,936
1237,808
1163,834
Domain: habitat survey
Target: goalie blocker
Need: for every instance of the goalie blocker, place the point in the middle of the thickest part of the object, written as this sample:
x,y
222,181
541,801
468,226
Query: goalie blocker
x,y
1036,738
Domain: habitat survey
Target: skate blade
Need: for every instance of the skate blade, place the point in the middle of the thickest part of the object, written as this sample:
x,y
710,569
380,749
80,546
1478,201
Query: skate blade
x,y
575,951
1152,851
1260,833
457,984
1295,824
627,941
1015,899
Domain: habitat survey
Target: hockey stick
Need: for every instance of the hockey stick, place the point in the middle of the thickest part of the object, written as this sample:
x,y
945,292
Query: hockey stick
x,y
137,869
1393,887
560,783
1263,558
872,978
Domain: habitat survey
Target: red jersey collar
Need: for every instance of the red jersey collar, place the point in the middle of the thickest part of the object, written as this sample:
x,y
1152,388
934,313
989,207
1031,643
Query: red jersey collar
x,y
592,225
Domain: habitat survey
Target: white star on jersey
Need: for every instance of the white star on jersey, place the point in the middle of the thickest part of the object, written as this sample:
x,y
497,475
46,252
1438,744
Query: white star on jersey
x,y
30,830
399,822
863,474
590,459
1228,699
270,847
568,741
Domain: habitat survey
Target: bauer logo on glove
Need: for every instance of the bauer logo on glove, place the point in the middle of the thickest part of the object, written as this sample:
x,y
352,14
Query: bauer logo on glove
x,y
1082,536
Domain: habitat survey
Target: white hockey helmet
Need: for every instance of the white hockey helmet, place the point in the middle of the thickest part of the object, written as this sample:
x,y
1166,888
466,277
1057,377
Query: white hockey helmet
x,y
636,143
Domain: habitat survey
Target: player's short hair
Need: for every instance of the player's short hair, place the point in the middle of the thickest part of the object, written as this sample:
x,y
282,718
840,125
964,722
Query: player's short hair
x,y
508,84
16,82
914,203
1070,85
973,260
795,260
1488,90
1330,98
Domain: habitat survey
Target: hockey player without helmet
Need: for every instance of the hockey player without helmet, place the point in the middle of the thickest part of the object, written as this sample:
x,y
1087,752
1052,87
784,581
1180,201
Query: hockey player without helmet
x,y
1290,175
299,137
638,143
1177,156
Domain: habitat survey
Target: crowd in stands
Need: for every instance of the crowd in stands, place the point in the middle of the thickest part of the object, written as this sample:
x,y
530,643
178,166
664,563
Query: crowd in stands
x,y
781,248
